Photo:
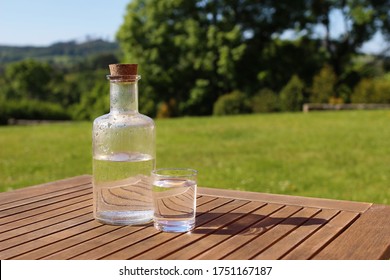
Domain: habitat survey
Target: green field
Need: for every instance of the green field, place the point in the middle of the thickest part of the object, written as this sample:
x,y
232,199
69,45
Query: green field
x,y
340,155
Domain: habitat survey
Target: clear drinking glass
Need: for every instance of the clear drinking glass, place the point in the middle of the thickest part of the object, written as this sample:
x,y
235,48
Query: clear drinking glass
x,y
174,198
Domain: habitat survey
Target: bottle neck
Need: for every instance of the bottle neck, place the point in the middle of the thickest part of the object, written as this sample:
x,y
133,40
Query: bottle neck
x,y
123,97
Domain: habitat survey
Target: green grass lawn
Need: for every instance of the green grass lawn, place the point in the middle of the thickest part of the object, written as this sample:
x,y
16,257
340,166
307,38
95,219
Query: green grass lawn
x,y
340,155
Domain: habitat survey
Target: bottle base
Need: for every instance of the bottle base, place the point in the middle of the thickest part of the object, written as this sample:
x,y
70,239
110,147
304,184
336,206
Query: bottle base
x,y
124,218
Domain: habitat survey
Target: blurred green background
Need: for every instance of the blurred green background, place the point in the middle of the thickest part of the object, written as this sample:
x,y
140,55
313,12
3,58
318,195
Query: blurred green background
x,y
225,82
339,155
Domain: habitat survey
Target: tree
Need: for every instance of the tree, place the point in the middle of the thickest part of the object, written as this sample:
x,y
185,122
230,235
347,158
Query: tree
x,y
233,103
192,52
31,80
323,87
291,96
265,101
94,103
196,51
179,50
376,90
284,58
361,19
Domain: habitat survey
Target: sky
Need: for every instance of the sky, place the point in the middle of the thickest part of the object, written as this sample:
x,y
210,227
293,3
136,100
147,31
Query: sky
x,y
44,22
376,45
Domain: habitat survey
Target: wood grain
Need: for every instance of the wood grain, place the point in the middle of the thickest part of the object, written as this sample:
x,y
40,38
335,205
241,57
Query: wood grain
x,y
55,221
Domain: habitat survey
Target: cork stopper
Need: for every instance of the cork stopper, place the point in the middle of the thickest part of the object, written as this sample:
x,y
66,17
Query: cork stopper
x,y
123,72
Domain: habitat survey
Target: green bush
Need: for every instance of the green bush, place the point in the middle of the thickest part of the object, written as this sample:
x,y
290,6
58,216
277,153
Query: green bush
x,y
291,95
344,93
372,91
265,101
323,85
31,110
3,112
233,103
93,103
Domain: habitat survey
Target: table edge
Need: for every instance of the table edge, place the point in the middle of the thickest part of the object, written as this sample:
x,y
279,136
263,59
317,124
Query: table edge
x,y
324,203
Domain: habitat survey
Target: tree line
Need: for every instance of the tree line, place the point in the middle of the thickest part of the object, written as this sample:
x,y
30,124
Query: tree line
x,y
220,57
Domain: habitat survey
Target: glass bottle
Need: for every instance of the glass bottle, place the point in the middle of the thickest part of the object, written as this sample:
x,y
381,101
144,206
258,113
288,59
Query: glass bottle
x,y
123,154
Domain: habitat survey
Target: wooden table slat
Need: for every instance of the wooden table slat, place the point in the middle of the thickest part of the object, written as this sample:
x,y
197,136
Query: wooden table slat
x,y
297,236
44,189
119,251
21,227
213,239
260,227
219,224
323,236
101,240
55,221
22,208
363,238
40,212
215,244
290,200
32,240
285,225
43,226
67,238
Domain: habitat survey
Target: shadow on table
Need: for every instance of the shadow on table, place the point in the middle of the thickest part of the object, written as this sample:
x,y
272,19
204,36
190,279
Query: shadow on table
x,y
250,224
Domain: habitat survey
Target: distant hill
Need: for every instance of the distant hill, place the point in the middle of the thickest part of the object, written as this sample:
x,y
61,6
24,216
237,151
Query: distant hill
x,y
62,53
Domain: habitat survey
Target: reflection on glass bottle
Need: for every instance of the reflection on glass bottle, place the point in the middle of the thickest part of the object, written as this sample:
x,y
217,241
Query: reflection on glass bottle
x,y
123,154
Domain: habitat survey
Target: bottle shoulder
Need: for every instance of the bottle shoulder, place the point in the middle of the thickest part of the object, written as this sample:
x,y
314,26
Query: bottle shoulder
x,y
123,120
101,118
147,119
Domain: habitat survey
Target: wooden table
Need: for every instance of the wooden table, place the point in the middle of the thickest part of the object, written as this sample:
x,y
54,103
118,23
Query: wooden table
x,y
54,221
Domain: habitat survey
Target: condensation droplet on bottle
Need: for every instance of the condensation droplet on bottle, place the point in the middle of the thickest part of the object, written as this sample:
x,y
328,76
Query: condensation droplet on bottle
x,y
105,148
